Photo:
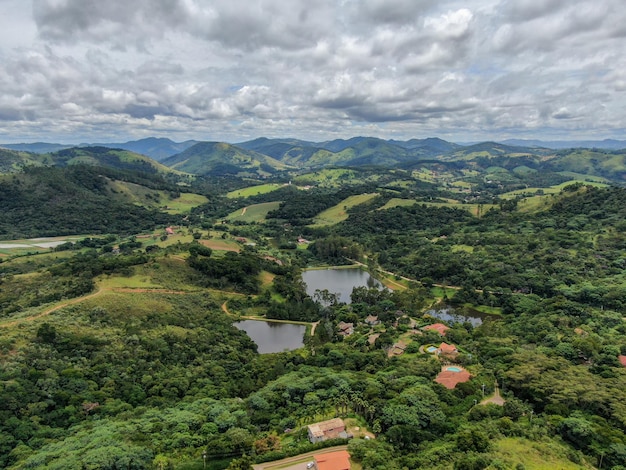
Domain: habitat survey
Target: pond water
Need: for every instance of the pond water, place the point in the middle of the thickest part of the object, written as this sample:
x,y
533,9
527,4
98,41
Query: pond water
x,y
452,316
272,337
338,281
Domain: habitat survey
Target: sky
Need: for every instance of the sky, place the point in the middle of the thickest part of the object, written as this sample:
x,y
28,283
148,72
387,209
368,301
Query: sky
x,y
75,71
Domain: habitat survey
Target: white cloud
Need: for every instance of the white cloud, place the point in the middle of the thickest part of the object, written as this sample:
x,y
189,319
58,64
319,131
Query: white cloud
x,y
229,69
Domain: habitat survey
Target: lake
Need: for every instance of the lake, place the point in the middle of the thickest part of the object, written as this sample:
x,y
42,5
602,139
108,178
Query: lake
x,y
338,281
272,337
452,316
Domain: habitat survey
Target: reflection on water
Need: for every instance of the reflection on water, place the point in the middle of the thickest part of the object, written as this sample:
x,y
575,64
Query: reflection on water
x,y
272,337
338,281
451,315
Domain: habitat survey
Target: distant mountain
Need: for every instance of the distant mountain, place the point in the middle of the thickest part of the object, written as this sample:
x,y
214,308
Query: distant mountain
x,y
156,148
290,151
218,158
36,147
493,149
431,146
609,144
338,145
12,161
153,147
107,157
356,151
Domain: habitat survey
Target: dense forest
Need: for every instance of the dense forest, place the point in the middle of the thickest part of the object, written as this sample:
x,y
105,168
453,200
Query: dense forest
x,y
119,349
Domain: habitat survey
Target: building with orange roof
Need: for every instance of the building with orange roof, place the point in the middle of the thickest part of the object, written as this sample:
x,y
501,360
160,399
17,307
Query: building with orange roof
x,y
339,460
622,360
447,349
438,327
451,376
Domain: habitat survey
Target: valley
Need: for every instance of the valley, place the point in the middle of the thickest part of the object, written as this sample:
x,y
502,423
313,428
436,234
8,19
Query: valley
x,y
122,282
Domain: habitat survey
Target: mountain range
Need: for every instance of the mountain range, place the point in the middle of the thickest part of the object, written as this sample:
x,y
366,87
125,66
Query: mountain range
x,y
263,157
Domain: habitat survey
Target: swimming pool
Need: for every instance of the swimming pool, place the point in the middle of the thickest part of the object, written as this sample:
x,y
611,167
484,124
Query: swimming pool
x,y
431,349
453,369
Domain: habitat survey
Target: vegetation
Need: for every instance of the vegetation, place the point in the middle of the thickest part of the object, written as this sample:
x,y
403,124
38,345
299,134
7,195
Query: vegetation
x,y
118,350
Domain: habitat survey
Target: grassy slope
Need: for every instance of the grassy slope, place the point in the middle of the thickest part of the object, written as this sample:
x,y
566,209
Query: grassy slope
x,y
254,190
338,213
253,213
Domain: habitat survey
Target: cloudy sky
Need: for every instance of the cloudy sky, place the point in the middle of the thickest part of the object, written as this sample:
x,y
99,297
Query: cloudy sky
x,y
107,71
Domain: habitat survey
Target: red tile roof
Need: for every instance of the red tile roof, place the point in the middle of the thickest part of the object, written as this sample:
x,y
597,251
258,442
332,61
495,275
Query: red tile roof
x,y
446,348
339,460
622,360
450,379
438,327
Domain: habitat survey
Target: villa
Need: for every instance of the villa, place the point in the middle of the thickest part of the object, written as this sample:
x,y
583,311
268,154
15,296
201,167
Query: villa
x,y
451,376
324,430
438,327
345,329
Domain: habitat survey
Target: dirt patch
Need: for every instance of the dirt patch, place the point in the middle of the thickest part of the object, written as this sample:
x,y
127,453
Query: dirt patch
x,y
220,245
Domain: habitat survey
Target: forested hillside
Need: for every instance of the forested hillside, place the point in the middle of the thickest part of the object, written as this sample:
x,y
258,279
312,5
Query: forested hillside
x,y
54,201
121,350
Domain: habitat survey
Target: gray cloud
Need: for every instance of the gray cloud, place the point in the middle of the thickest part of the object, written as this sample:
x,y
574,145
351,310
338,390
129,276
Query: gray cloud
x,y
228,69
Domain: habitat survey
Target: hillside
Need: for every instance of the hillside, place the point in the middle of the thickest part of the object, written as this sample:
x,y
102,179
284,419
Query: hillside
x,y
156,148
12,161
125,350
79,199
113,158
216,158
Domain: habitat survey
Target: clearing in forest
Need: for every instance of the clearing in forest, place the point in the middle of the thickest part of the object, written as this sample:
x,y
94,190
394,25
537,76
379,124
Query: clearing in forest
x,y
339,212
253,213
254,190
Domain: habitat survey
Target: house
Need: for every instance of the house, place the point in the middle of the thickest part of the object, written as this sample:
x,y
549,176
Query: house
x,y
339,460
447,349
622,360
397,349
324,430
345,329
169,230
372,320
451,376
438,327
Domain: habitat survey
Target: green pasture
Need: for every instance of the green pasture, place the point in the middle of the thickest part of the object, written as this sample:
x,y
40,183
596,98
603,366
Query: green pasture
x,y
254,190
185,203
397,202
338,213
534,455
475,209
253,213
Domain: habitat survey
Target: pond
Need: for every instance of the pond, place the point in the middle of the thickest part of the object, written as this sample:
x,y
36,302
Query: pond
x,y
451,315
338,281
272,337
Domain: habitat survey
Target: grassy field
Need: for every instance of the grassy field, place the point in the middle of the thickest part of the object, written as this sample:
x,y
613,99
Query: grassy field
x,y
396,201
253,213
219,244
339,213
474,209
534,455
254,190
185,203
535,199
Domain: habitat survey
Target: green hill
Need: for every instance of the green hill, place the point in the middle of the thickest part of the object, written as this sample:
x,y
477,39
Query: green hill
x,y
12,161
113,158
218,158
80,199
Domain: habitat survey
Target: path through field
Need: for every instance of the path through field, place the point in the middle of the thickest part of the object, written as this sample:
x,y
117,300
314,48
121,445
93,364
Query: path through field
x,y
85,297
